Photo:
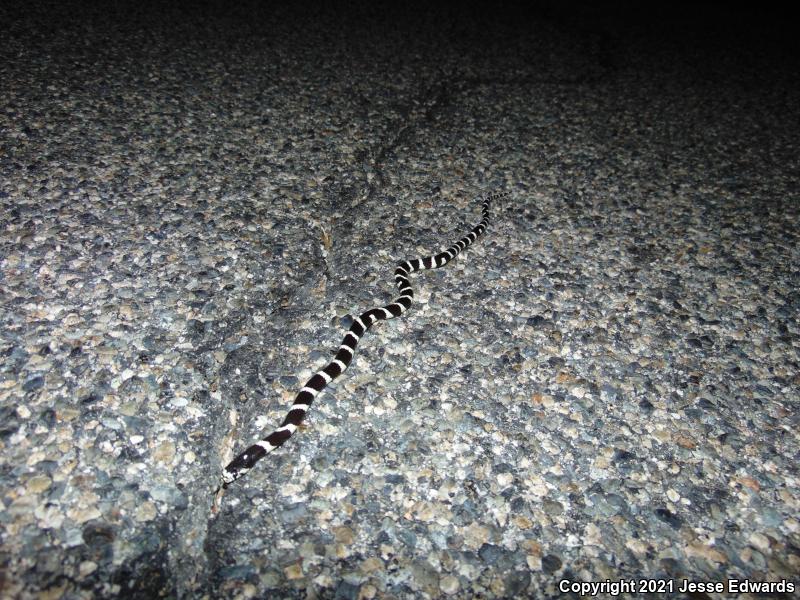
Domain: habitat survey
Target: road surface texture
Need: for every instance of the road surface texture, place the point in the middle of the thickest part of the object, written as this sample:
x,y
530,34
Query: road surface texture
x,y
195,202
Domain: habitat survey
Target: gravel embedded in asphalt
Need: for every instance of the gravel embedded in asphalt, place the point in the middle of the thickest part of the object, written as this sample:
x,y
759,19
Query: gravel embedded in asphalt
x,y
196,202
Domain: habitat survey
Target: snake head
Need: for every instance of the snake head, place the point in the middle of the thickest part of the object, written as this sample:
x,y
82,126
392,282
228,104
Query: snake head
x,y
242,463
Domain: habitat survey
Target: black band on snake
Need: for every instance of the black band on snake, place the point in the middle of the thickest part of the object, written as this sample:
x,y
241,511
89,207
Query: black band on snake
x,y
245,461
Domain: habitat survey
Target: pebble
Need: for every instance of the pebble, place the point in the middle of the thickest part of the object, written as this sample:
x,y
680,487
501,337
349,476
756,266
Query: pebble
x,y
449,585
145,512
38,484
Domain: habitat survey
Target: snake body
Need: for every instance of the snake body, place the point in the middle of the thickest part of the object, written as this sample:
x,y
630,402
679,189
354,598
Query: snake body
x,y
314,386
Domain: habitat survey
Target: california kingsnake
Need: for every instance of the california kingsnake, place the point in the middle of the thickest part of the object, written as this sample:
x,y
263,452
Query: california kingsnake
x,y
245,461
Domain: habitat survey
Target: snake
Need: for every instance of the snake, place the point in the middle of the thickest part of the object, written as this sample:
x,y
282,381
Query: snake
x,y
247,459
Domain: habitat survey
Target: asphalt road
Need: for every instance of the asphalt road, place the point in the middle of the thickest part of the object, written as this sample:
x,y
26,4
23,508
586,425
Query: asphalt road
x,y
196,200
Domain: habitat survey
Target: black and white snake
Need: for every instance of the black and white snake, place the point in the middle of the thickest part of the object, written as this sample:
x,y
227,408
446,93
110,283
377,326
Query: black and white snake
x,y
245,461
